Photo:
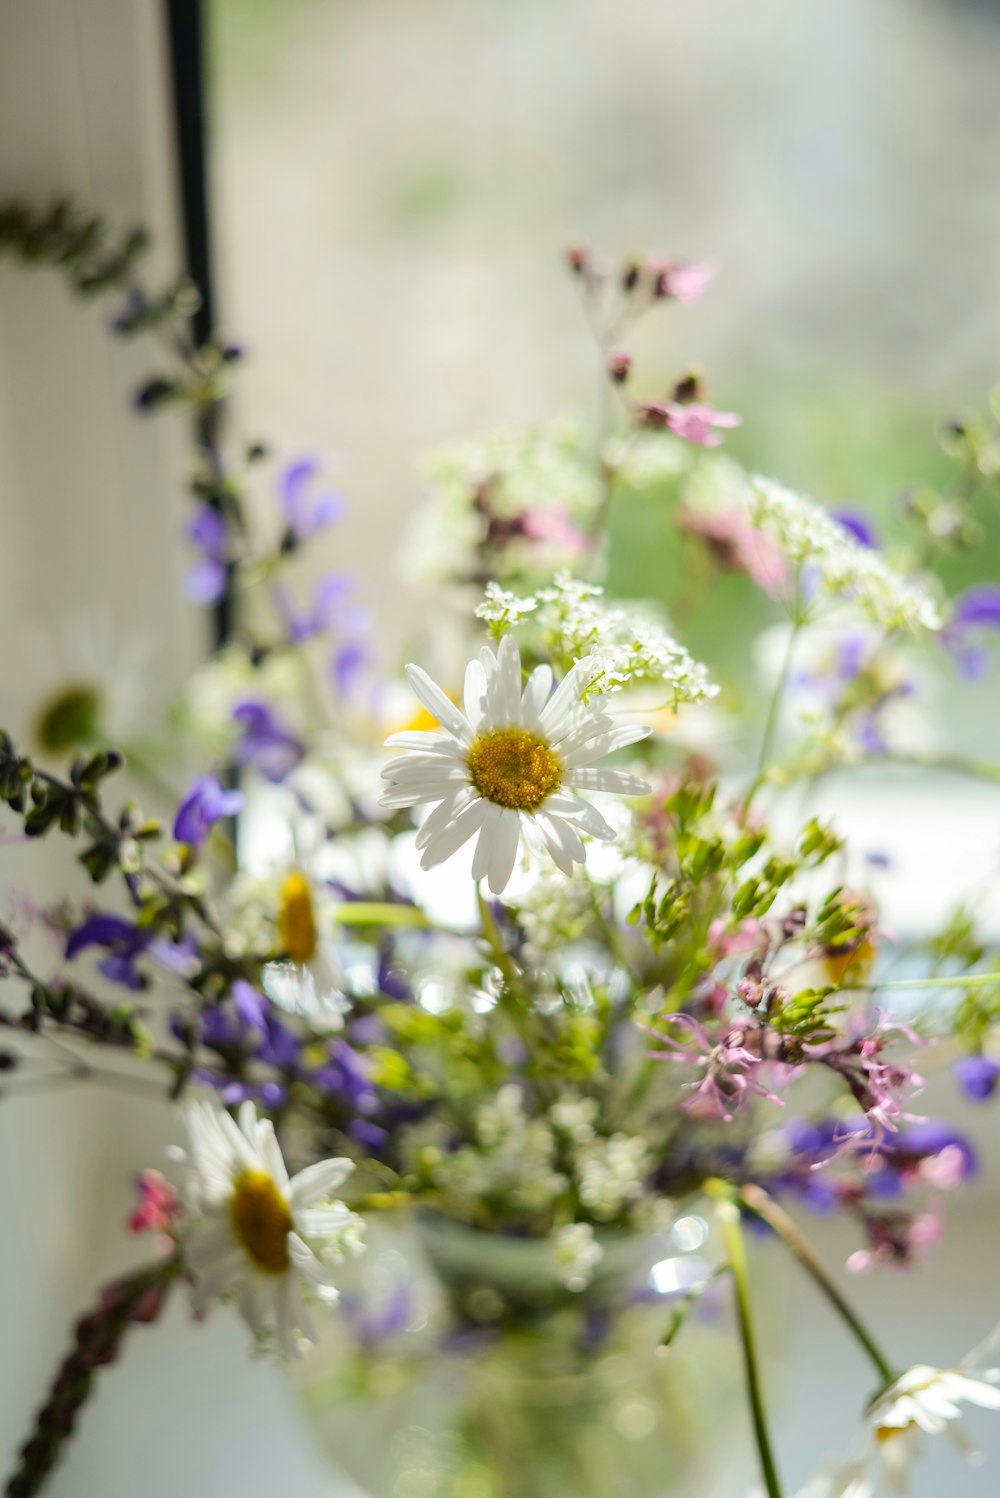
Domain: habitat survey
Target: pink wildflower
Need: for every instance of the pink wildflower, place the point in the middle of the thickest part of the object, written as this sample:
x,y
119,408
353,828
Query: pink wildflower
x,y
692,421
553,524
729,1067
684,280
159,1206
736,545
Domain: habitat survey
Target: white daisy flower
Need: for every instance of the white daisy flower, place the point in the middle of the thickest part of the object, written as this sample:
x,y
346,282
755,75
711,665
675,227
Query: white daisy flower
x,y
512,763
80,685
925,1401
259,1236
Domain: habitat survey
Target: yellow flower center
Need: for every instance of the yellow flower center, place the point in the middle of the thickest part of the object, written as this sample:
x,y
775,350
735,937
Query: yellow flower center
x,y
261,1220
296,918
885,1433
69,719
514,768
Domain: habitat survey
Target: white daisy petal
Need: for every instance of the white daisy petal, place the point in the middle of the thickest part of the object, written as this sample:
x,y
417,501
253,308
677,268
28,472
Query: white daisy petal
x,y
536,693
452,837
438,819
505,843
423,742
318,1181
320,1222
483,856
562,842
589,779
441,706
567,694
475,692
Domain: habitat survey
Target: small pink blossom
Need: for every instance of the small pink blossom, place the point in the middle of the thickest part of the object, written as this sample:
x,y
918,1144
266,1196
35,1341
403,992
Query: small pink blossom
x,y
159,1206
684,280
729,1066
554,525
735,543
692,421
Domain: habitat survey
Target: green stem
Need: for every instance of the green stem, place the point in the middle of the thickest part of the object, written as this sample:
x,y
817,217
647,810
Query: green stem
x,y
960,980
774,709
376,913
729,1216
757,1201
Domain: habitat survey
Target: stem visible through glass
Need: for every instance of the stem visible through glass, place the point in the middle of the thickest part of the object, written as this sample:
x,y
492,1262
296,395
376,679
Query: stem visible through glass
x,y
729,1216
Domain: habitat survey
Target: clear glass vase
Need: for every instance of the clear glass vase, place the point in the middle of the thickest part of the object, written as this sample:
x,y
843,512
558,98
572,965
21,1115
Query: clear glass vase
x,y
485,1377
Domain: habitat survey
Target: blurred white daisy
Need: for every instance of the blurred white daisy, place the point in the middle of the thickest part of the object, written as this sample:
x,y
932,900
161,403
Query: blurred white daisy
x,y
512,763
267,1240
78,686
926,1401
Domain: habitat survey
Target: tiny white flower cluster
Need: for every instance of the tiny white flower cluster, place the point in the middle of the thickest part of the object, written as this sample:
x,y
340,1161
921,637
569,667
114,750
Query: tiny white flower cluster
x,y
612,1173
576,1254
513,1157
502,610
839,566
532,1164
628,646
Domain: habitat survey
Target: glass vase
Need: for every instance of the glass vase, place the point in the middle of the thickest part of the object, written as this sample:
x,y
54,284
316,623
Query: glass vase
x,y
472,1371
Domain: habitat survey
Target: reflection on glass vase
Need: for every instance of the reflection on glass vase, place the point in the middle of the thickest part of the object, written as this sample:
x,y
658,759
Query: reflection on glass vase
x,y
489,1378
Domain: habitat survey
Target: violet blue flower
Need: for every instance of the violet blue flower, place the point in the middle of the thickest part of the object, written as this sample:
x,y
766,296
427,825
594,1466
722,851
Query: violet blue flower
x,y
305,510
326,609
265,743
857,524
977,1076
978,608
346,665
206,803
124,942
206,580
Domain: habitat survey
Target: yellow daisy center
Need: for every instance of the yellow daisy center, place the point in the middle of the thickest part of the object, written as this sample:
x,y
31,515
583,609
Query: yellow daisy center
x,y
261,1220
885,1433
70,718
296,918
514,768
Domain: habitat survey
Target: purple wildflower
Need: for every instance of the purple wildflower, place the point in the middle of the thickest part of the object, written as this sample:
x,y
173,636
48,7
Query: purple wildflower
x,y
978,608
326,611
265,743
123,941
977,1076
206,803
858,525
305,510
206,580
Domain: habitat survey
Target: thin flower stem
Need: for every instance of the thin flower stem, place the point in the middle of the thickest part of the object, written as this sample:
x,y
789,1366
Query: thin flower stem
x,y
960,980
774,707
729,1216
757,1201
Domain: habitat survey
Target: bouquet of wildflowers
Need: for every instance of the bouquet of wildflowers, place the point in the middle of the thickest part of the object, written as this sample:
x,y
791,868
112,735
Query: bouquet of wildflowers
x,y
529,947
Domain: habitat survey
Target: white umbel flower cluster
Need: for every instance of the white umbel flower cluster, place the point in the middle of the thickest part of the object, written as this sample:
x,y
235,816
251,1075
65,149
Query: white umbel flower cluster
x,y
510,766
576,1253
268,1241
628,647
839,566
